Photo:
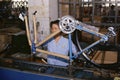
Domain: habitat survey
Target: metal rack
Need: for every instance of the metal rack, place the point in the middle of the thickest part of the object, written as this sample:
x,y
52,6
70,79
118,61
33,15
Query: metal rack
x,y
93,12
88,8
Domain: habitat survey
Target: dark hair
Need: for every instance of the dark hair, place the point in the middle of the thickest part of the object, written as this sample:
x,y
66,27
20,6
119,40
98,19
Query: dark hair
x,y
112,7
54,22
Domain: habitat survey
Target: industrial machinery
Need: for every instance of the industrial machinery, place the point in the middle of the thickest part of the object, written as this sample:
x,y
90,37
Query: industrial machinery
x,y
82,65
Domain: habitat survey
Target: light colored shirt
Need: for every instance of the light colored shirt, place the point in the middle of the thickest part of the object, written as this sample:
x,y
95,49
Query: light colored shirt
x,y
60,47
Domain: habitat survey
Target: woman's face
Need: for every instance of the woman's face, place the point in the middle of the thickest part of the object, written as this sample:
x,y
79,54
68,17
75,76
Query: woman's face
x,y
54,28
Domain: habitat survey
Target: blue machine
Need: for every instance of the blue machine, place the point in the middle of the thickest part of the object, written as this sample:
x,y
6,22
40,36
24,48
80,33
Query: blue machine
x,y
12,74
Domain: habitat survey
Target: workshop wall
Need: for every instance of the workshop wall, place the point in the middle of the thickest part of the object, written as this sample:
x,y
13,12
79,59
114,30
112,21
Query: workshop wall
x,y
46,12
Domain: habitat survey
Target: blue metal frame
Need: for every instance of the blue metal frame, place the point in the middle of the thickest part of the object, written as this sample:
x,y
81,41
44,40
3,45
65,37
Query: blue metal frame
x,y
70,47
33,48
104,38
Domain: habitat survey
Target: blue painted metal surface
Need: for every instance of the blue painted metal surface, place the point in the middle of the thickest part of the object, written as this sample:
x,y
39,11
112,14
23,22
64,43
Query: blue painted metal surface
x,y
70,47
10,74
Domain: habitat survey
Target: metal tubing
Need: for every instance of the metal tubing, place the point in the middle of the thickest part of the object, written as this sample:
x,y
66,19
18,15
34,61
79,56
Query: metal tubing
x,y
47,38
70,48
28,31
35,30
53,54
89,31
90,46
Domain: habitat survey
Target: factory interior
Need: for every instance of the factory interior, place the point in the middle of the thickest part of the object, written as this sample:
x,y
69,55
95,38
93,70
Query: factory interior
x,y
91,25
